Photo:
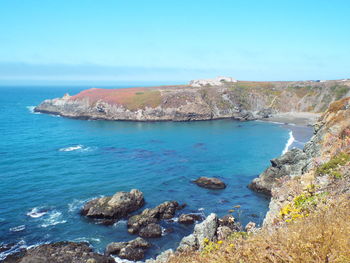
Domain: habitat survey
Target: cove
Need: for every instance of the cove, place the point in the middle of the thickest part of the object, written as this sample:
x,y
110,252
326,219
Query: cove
x,y
51,165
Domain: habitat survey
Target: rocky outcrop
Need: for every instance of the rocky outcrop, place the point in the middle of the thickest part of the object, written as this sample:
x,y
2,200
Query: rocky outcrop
x,y
145,223
290,164
114,207
224,98
297,172
210,183
60,252
132,250
203,231
188,219
151,230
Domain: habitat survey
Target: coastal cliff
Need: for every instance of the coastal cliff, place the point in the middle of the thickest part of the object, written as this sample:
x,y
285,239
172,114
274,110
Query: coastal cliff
x,y
241,100
309,209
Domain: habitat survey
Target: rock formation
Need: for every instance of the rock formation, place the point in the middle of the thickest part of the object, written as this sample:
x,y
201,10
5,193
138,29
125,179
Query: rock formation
x,y
240,100
210,183
114,207
145,224
132,250
60,252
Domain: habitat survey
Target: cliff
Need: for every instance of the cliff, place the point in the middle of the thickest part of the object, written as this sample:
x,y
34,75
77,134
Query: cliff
x,y
310,203
241,100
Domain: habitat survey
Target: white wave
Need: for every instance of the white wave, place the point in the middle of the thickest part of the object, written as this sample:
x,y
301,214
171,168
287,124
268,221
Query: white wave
x,y
54,218
289,142
71,148
119,260
18,228
79,147
75,205
31,109
201,209
87,239
37,212
120,223
13,249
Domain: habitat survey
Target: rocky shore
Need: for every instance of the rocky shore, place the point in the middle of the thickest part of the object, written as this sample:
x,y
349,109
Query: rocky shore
x,y
240,100
320,169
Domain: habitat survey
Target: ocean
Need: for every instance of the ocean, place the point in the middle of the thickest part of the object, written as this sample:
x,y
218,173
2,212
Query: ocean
x,y
50,166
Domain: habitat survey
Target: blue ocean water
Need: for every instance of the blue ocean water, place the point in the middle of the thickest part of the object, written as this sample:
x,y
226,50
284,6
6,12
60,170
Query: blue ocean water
x,y
52,165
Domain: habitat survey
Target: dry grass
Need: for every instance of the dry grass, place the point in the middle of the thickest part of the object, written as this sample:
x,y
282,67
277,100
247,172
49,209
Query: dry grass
x,y
324,236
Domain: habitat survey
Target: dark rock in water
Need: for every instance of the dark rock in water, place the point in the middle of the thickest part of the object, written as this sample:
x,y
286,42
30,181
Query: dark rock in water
x,y
210,183
189,218
132,250
169,230
151,230
290,164
148,216
60,252
114,207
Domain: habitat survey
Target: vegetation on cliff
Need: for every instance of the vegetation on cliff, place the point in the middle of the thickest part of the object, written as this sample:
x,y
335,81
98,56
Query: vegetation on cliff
x,y
309,213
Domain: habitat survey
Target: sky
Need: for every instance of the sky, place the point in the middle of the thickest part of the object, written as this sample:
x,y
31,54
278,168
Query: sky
x,y
89,41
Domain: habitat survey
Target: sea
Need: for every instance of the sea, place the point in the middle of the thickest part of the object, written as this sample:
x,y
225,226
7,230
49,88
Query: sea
x,y
50,166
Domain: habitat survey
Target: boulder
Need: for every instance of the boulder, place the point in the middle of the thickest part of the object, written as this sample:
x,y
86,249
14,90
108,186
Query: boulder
x,y
210,183
148,216
151,230
203,231
114,207
131,250
290,164
188,219
59,253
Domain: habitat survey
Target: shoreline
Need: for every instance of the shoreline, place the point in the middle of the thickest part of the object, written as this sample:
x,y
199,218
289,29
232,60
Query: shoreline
x,y
307,119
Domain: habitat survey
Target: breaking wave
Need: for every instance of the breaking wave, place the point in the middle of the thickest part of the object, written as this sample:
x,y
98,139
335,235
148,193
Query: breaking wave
x,y
289,142
37,212
53,218
79,147
18,228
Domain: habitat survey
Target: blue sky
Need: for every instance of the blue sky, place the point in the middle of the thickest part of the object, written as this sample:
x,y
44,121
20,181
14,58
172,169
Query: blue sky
x,y
115,40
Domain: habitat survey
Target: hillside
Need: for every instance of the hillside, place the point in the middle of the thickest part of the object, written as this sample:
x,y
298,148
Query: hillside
x,y
242,100
309,208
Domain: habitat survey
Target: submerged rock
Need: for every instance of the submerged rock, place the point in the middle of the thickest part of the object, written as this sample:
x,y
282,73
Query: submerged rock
x,y
114,207
188,219
60,252
148,216
210,183
132,250
290,164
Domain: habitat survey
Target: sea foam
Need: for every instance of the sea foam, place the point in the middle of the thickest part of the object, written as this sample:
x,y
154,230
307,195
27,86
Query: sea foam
x,y
37,212
53,218
31,109
18,228
289,142
79,148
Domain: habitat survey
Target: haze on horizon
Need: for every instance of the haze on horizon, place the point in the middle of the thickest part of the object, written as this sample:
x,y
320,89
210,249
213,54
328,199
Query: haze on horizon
x,y
89,41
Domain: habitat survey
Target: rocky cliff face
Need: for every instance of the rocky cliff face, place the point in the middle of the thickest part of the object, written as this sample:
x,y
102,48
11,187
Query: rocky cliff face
x,y
239,100
321,168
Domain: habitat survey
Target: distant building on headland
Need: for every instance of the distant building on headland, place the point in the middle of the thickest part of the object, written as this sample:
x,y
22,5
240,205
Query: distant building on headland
x,y
218,81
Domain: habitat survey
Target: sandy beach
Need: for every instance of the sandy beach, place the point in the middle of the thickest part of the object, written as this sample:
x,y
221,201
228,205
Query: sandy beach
x,y
297,118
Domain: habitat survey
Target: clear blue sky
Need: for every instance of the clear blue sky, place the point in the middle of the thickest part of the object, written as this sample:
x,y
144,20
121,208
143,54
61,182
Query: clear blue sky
x,y
173,40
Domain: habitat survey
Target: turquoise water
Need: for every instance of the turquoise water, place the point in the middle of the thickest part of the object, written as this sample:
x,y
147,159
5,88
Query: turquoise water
x,y
53,165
